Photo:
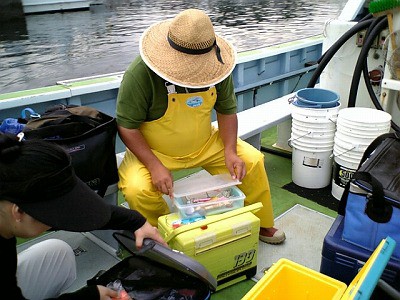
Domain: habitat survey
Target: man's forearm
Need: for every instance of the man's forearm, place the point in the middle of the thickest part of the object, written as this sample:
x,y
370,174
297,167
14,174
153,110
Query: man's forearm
x,y
228,128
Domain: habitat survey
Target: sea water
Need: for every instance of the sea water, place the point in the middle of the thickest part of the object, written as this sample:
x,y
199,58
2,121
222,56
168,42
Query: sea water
x,y
39,50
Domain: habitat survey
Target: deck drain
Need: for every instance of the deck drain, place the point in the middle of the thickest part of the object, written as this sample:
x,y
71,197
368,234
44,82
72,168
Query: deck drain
x,y
78,251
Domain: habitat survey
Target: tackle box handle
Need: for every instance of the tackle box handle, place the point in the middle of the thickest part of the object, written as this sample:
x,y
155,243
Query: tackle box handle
x,y
212,219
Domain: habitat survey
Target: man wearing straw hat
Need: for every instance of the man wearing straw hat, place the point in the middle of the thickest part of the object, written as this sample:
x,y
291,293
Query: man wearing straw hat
x,y
164,111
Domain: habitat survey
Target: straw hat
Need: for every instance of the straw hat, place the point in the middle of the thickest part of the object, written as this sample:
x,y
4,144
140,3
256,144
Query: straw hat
x,y
186,51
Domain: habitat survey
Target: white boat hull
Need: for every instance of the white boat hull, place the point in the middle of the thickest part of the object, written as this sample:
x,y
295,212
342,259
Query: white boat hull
x,y
40,6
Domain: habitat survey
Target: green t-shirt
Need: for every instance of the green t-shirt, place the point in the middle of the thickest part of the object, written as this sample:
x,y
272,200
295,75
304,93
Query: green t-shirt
x,y
143,97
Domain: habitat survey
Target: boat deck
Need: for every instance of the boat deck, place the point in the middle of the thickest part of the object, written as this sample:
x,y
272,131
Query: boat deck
x,y
304,220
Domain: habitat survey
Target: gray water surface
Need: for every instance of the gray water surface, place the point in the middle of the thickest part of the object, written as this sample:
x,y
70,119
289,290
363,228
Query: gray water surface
x,y
40,50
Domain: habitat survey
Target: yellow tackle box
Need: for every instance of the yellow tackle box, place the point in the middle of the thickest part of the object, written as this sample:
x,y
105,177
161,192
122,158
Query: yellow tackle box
x,y
289,280
226,244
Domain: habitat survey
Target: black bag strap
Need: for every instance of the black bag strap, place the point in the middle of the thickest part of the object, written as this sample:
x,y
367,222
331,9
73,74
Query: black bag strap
x,y
58,132
376,185
60,113
343,199
377,209
60,117
375,143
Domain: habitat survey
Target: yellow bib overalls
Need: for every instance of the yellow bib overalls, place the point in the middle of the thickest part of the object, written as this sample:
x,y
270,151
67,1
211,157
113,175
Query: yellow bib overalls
x,y
184,138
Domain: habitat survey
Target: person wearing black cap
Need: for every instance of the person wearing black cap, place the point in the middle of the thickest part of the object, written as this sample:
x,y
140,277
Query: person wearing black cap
x,y
39,191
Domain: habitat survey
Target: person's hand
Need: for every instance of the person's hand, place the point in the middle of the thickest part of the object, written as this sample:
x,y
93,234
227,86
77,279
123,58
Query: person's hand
x,y
148,231
235,165
162,179
109,294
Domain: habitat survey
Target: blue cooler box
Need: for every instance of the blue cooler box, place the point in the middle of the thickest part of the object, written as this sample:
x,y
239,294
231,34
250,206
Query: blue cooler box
x,y
342,260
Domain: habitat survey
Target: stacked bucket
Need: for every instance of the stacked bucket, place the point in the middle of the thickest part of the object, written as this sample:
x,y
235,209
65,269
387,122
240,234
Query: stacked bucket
x,y
357,127
314,115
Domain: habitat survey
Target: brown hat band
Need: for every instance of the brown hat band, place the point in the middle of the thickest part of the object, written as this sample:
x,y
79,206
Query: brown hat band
x,y
197,51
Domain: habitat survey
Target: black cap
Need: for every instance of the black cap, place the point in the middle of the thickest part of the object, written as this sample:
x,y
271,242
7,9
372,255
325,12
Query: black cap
x,y
42,182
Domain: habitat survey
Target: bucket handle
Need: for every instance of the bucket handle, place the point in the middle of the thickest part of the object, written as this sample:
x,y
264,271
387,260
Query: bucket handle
x,y
290,140
352,148
329,117
293,100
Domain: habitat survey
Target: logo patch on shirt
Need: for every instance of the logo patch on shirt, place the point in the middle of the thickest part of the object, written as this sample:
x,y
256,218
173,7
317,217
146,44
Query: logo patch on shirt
x,y
194,101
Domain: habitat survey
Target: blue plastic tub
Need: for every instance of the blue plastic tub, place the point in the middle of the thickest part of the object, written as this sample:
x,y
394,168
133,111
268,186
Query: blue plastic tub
x,y
316,98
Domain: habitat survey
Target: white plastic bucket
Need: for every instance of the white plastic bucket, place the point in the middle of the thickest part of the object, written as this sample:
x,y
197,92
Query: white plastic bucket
x,y
312,135
313,132
342,171
345,153
361,132
354,147
314,147
316,142
311,169
365,116
314,119
316,112
348,157
300,126
363,126
344,137
357,127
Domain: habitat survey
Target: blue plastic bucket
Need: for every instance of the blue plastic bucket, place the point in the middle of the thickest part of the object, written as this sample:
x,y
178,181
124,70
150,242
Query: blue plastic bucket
x,y
316,98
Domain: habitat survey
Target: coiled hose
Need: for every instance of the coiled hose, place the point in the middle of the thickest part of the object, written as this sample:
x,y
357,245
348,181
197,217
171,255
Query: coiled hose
x,y
364,65
374,26
327,56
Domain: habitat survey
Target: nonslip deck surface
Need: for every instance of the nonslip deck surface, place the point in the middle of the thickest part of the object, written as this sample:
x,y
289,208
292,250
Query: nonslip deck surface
x,y
305,231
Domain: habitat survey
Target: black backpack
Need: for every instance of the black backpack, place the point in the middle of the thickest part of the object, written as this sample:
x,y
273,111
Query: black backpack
x,y
87,134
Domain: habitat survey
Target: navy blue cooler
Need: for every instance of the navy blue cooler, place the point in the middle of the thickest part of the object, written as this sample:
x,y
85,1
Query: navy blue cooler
x,y
342,260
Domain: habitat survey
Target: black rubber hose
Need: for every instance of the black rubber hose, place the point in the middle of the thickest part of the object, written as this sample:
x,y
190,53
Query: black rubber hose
x,y
327,56
366,22
374,23
371,91
367,17
367,80
365,68
369,40
372,94
388,289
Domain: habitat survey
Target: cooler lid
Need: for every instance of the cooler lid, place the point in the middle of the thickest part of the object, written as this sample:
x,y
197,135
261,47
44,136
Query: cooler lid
x,y
168,257
202,184
366,280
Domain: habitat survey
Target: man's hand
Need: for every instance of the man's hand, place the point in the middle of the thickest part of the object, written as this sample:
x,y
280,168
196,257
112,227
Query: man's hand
x,y
235,165
162,179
